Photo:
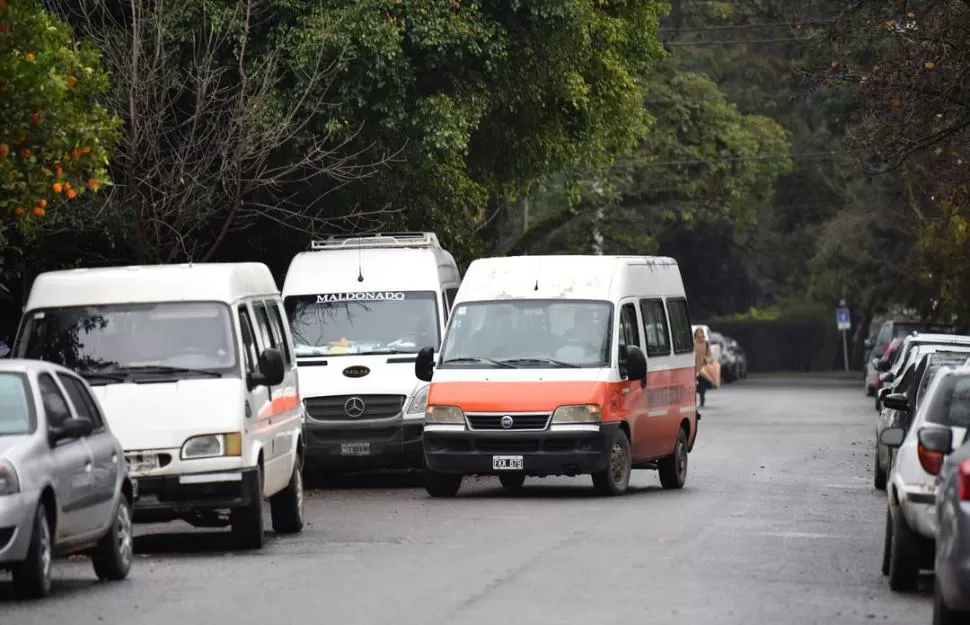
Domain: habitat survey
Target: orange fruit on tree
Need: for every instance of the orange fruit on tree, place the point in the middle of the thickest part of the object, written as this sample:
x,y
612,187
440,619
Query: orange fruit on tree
x,y
31,57
58,170
93,184
71,194
4,150
42,203
18,211
35,119
71,81
76,153
26,152
39,212
57,187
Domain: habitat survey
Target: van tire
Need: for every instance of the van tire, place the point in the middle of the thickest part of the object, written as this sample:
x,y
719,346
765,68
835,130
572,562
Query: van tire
x,y
615,478
879,474
673,468
442,484
904,556
512,481
247,521
286,506
32,577
113,555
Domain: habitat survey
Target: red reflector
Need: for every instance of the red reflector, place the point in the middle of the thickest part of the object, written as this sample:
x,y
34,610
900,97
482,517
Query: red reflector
x,y
931,461
965,480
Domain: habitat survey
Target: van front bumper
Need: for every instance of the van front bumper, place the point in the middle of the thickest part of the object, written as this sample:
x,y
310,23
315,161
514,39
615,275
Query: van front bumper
x,y
365,444
560,450
163,498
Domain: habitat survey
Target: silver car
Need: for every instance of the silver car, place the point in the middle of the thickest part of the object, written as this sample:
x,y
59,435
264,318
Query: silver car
x,y
951,602
64,484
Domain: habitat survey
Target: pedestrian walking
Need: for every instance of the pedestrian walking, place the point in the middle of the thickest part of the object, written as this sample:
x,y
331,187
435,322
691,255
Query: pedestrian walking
x,y
702,357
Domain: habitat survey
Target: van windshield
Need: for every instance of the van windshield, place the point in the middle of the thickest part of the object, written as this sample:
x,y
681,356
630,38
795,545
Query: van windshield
x,y
524,333
383,322
117,342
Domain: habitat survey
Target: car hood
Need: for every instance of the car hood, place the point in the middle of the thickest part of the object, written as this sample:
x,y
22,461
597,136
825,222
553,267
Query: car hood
x,y
163,415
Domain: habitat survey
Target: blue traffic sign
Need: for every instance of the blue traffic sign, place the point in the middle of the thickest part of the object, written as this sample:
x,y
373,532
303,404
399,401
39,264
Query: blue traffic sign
x,y
842,318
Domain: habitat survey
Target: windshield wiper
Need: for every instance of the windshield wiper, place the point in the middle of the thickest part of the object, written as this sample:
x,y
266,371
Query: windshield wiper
x,y
542,361
477,359
166,369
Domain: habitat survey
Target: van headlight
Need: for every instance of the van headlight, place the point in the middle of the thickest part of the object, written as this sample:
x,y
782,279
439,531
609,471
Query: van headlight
x,y
444,415
588,413
212,446
419,403
9,482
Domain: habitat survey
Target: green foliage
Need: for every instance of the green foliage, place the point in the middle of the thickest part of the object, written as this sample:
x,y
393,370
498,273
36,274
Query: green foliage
x,y
55,135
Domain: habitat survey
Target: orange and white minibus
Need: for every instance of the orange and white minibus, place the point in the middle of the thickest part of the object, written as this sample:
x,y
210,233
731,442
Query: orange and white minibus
x,y
562,365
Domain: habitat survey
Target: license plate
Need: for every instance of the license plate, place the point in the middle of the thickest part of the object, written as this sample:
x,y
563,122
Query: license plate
x,y
139,465
507,463
355,449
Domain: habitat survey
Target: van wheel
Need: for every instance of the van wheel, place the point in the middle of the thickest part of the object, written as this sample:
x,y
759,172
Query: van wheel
x,y
32,577
442,484
247,521
113,554
286,506
512,481
879,474
673,468
615,478
904,556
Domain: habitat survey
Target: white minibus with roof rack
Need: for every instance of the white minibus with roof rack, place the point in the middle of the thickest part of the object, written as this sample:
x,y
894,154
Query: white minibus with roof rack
x,y
194,367
360,307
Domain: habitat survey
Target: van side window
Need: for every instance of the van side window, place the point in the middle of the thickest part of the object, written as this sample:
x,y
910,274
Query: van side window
x,y
279,330
248,339
629,333
450,299
655,327
680,325
262,319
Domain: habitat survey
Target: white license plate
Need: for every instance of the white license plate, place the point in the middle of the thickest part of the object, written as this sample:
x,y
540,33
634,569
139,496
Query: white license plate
x,y
139,465
354,449
507,463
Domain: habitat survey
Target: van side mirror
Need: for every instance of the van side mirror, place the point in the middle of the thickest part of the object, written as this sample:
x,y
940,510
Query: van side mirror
x,y
883,365
424,364
936,439
71,428
892,437
896,401
272,369
636,364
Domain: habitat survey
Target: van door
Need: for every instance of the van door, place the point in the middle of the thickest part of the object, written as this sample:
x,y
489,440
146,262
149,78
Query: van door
x,y
258,397
664,390
633,400
287,411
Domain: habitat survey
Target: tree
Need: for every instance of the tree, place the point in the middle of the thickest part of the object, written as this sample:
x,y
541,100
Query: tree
x,y
56,135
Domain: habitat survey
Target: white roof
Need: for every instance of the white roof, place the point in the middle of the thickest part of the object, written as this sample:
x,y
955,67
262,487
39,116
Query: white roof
x,y
337,270
570,277
220,282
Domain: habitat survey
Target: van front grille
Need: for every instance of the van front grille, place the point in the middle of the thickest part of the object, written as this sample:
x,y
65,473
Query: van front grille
x,y
354,407
518,421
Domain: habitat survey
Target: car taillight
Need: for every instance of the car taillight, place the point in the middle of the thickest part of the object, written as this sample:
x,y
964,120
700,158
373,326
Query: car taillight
x,y
931,461
964,477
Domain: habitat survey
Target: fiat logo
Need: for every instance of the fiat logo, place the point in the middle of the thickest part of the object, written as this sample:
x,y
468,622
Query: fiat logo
x,y
506,422
354,407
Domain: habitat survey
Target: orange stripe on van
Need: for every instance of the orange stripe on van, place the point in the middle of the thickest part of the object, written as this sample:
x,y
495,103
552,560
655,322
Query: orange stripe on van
x,y
279,404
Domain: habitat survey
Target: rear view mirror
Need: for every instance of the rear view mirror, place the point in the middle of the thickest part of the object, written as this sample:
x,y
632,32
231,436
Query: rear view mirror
x,y
896,401
272,369
71,428
883,365
892,437
424,364
936,439
636,364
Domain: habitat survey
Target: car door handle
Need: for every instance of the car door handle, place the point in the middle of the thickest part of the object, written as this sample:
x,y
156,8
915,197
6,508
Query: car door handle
x,y
114,458
88,467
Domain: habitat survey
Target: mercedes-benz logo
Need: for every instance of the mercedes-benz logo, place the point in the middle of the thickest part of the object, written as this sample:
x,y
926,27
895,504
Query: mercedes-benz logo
x,y
506,422
354,407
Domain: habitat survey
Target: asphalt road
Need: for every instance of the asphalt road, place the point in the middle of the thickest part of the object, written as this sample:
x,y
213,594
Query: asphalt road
x,y
778,523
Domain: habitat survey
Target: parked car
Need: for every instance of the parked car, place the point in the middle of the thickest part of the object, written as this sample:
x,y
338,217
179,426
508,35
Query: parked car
x,y
911,346
911,519
64,486
726,359
951,593
887,332
740,358
910,389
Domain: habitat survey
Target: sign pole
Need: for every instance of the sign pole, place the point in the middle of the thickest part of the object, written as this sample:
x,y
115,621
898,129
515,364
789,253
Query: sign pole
x,y
843,322
845,350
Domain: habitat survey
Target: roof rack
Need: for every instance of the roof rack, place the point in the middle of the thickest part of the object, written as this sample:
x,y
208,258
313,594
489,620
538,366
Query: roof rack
x,y
379,239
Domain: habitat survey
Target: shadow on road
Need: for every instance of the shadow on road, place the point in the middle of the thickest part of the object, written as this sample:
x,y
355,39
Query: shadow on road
x,y
190,544
60,588
581,489
372,480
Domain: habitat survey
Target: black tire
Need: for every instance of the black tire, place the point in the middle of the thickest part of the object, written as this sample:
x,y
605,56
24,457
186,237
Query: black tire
x,y
512,481
942,615
904,556
673,468
247,521
614,480
32,577
887,544
870,391
442,484
286,506
879,474
113,554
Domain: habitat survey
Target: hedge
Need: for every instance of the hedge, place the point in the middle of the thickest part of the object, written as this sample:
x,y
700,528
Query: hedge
x,y
785,345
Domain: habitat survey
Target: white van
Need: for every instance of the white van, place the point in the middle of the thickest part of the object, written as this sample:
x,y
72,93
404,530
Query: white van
x,y
360,307
194,367
562,365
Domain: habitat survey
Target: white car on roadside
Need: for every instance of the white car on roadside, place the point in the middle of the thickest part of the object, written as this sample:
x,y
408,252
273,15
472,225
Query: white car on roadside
x,y
911,523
